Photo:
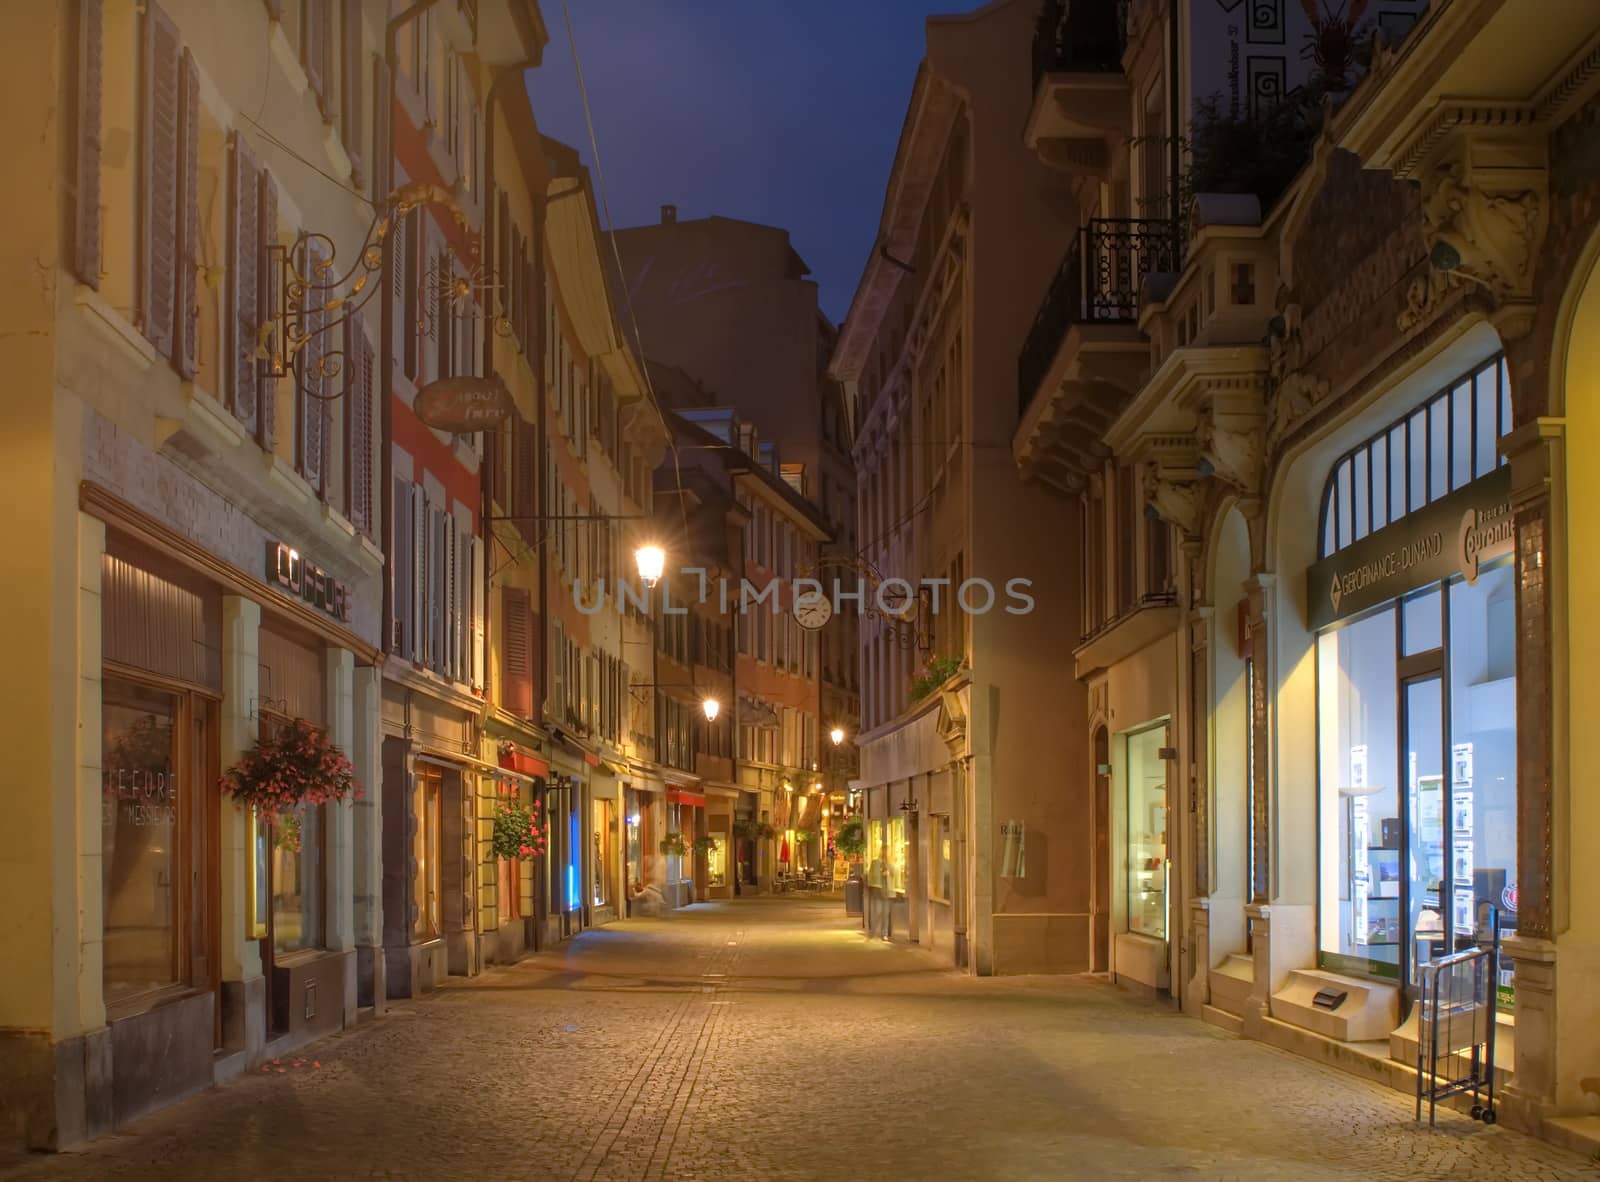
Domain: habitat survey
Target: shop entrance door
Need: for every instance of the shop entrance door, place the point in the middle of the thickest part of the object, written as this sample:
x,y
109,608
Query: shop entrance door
x,y
1422,771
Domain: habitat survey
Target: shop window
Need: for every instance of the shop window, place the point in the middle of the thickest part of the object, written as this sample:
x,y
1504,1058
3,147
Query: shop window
x,y
717,862
604,852
1147,833
141,839
297,899
427,884
897,855
940,862
1359,812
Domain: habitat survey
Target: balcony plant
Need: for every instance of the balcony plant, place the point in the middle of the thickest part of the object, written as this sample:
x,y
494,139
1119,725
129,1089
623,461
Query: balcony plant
x,y
519,831
937,671
293,766
673,845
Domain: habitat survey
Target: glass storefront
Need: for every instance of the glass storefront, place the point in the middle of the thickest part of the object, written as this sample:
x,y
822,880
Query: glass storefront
x,y
940,865
604,852
297,878
427,884
717,862
897,855
1416,698
1147,832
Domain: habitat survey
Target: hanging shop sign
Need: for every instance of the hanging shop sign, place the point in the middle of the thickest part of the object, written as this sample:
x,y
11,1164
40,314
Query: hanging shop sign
x,y
1458,534
288,570
462,405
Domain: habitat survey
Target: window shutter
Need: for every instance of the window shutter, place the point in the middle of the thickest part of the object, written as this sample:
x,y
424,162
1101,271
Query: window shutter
x,y
310,389
86,169
516,652
358,423
159,167
502,246
267,299
525,311
382,170
402,571
350,59
524,496
558,673
419,575
444,320
437,573
463,618
409,249
187,317
480,620
316,36
244,239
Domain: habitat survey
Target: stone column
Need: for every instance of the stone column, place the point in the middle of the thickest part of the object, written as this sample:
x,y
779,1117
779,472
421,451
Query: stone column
x,y
90,999
367,838
339,672
1194,701
244,1017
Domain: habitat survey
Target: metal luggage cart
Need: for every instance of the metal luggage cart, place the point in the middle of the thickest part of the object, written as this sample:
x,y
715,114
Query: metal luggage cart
x,y
1456,1027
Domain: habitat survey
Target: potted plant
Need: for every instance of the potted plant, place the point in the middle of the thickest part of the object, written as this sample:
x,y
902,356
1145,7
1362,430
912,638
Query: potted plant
x,y
294,767
673,845
519,833
750,829
705,843
937,671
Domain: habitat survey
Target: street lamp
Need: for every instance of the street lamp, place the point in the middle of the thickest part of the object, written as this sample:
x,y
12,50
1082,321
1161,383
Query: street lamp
x,y
711,706
652,560
837,735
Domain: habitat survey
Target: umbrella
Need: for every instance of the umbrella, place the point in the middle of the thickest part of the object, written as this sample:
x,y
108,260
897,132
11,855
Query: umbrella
x,y
783,854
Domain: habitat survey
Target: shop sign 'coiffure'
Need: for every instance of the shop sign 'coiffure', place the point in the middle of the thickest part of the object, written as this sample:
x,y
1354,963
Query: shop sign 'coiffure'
x,y
1459,534
290,572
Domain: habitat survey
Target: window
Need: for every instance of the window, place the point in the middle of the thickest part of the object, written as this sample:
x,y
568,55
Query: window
x,y
897,855
1443,445
940,858
296,854
603,868
427,883
1147,832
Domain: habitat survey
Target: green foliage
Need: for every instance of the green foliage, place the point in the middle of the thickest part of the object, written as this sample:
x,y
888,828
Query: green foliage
x,y
749,829
673,845
519,832
704,844
937,671
851,840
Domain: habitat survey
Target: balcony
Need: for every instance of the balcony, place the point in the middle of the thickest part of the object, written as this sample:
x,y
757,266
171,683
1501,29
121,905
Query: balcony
x,y
1081,97
1084,355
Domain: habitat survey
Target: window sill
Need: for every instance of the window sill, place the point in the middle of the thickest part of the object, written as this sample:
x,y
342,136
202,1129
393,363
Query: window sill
x,y
145,1003
115,327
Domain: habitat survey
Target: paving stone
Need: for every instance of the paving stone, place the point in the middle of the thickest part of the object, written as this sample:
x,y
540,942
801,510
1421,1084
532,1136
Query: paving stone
x,y
767,1039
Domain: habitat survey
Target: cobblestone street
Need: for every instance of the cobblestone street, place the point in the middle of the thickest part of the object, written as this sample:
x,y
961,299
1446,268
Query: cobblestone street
x,y
766,1039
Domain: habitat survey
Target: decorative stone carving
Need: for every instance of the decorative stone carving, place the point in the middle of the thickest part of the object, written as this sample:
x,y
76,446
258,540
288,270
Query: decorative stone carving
x,y
1180,503
1482,231
1424,294
1234,456
1296,398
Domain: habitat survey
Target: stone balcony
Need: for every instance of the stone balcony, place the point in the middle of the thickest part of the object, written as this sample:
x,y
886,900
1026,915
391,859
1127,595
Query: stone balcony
x,y
1081,104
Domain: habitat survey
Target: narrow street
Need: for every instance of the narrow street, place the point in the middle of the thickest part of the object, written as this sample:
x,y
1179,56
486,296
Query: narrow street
x,y
767,1039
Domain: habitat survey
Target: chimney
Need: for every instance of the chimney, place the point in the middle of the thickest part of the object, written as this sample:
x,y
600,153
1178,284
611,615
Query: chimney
x,y
669,215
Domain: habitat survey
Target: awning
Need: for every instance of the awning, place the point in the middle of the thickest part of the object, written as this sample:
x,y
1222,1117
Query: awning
x,y
617,769
523,763
680,796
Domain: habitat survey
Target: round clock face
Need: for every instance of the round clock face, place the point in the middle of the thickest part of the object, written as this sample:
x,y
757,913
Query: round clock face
x,y
812,610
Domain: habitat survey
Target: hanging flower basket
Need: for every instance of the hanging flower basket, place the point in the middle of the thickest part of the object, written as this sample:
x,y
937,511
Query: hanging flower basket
x,y
295,767
674,846
520,832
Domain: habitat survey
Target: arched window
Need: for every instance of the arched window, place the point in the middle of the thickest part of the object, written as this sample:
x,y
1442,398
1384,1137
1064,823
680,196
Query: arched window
x,y
1447,442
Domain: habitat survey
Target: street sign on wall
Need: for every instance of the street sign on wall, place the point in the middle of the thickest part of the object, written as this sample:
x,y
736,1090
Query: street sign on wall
x,y
463,405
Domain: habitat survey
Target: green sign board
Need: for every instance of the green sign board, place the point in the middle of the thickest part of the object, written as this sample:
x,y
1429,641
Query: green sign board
x,y
1456,535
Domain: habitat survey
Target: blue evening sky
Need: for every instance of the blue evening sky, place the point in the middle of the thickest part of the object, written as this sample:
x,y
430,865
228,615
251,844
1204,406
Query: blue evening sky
x,y
784,112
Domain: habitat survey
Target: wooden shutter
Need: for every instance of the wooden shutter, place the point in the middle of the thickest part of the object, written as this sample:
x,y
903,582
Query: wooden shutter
x,y
524,494
382,169
186,325
159,70
400,572
88,76
444,319
267,288
244,236
316,45
311,388
526,311
411,248
350,89
359,382
502,255
516,652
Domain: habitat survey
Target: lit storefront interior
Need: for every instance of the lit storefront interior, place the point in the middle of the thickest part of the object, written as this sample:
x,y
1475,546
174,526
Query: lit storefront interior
x,y
1416,692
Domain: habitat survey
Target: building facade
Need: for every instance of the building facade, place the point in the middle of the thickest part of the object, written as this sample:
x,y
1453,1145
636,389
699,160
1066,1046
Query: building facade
x,y
1330,498
974,822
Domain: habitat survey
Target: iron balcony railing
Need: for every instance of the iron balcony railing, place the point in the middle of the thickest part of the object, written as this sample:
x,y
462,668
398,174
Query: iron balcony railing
x,y
1097,282
1079,36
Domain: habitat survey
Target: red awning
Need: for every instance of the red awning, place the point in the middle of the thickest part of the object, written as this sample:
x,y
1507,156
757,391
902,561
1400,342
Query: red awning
x,y
522,762
679,796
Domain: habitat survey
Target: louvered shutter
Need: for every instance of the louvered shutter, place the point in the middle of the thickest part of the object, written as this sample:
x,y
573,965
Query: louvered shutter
x,y
401,572
86,168
243,244
409,250
350,89
524,489
382,169
419,574
480,617
159,174
267,297
186,322
310,390
526,313
502,255
357,400
444,320
316,36
516,652
558,673
437,565
463,605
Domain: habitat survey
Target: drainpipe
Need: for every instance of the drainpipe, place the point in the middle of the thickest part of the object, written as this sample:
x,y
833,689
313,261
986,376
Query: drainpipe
x,y
386,331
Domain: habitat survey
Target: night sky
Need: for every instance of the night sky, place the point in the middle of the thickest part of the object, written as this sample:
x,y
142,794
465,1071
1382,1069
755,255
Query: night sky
x,y
784,112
